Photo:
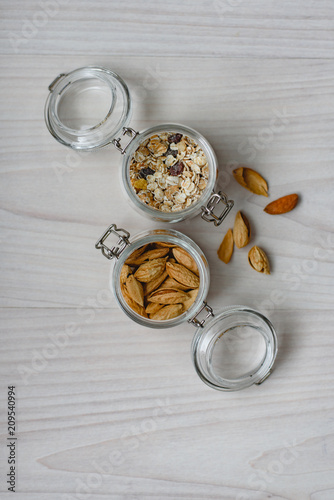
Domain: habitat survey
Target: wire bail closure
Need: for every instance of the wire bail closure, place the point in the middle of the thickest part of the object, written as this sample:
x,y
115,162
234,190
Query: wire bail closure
x,y
208,212
123,242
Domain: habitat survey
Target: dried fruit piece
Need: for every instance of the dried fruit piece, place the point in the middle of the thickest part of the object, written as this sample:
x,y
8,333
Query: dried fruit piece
x,y
176,169
150,270
132,304
258,260
185,259
282,205
182,275
225,250
153,284
144,172
140,184
192,296
126,270
135,289
171,283
156,253
168,312
241,230
153,307
134,256
168,296
174,138
251,180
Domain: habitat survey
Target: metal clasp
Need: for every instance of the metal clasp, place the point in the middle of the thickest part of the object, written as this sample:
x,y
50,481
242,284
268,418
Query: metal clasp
x,y
123,242
195,321
207,212
56,80
126,131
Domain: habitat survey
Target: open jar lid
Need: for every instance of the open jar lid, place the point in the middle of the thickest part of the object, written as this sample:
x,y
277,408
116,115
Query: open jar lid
x,y
87,108
235,349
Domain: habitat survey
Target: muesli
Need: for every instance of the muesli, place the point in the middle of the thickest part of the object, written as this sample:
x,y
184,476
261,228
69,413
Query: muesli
x,y
169,172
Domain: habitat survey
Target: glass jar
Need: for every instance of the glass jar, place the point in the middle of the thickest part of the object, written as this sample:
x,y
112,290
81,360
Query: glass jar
x,y
90,108
232,349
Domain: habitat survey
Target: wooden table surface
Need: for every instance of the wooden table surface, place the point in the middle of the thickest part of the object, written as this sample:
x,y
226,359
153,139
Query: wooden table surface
x,y
108,409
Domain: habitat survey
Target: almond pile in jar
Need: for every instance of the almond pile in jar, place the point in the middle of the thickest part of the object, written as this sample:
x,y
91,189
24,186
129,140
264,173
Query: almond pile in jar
x,y
169,172
159,281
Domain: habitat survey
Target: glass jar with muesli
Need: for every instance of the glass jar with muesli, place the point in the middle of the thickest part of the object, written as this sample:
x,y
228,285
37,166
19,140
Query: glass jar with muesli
x,y
161,279
169,171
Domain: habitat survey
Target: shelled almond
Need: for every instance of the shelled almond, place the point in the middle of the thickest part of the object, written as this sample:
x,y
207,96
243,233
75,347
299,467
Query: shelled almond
x,y
160,281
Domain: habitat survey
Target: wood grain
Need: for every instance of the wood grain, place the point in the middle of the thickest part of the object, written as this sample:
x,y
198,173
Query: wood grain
x,y
107,408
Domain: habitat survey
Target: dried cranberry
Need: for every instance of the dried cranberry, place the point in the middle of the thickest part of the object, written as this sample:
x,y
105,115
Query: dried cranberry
x,y
172,152
144,172
174,138
176,169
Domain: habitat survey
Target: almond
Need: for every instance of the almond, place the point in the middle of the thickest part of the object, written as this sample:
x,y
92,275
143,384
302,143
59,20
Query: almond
x,y
225,250
163,244
185,259
153,284
150,270
171,283
153,307
132,259
192,294
168,296
156,253
282,205
132,304
258,260
135,290
241,230
168,312
251,180
182,275
126,270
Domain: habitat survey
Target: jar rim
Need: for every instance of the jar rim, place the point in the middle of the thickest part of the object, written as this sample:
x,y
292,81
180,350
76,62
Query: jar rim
x,y
168,236
108,127
206,340
195,208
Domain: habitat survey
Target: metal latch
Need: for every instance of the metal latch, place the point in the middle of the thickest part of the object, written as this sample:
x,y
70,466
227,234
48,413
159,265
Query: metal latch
x,y
126,131
123,242
208,211
195,321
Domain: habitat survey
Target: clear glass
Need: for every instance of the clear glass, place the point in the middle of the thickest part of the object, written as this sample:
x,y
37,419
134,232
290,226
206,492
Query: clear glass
x,y
167,236
235,350
87,107
194,209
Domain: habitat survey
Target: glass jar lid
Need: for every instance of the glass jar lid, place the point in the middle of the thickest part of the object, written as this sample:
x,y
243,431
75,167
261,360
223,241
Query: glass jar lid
x,y
235,349
87,108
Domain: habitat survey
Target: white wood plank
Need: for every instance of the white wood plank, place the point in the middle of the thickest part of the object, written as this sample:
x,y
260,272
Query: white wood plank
x,y
229,28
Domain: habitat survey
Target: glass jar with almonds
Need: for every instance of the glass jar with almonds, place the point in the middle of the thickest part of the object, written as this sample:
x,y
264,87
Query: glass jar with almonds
x,y
168,171
161,279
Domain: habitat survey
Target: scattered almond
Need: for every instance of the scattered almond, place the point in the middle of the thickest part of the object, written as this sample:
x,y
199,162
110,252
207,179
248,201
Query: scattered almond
x,y
251,180
241,230
282,205
258,260
225,250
